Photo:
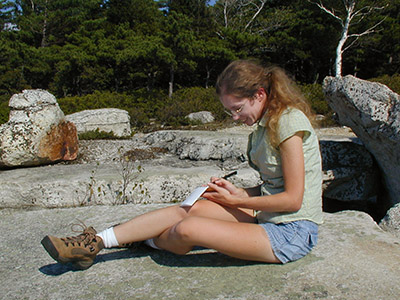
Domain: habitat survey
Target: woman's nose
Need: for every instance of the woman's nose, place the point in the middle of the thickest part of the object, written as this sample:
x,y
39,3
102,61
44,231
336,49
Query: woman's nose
x,y
235,117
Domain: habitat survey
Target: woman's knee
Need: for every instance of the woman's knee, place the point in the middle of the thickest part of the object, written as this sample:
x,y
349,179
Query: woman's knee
x,y
181,236
184,230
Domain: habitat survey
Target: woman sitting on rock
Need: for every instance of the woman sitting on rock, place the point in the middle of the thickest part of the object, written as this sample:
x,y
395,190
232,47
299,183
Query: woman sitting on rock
x,y
275,222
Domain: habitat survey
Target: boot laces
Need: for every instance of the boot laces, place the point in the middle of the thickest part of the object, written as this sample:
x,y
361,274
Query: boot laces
x,y
86,238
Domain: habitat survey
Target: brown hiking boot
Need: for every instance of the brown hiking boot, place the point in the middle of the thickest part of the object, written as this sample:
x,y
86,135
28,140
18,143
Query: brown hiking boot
x,y
79,250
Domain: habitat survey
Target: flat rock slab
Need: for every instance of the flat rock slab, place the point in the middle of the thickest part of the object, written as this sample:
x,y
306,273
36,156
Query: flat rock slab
x,y
354,259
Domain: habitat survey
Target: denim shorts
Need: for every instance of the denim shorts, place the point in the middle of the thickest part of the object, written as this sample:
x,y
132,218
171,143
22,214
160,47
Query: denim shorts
x,y
293,240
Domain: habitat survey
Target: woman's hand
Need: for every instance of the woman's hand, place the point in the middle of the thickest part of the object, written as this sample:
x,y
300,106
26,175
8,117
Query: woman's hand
x,y
224,192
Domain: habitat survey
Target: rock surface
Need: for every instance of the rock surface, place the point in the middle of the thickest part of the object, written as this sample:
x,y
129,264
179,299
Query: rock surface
x,y
354,259
166,179
36,132
172,164
372,111
350,172
201,116
112,120
391,222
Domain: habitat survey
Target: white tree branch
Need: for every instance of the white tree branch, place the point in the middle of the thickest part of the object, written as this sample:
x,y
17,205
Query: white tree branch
x,y
328,11
256,14
352,16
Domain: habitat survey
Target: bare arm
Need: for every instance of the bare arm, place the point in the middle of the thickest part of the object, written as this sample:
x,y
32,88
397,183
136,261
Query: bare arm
x,y
289,200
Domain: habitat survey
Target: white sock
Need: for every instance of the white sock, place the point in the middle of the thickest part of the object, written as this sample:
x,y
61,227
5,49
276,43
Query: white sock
x,y
108,237
150,243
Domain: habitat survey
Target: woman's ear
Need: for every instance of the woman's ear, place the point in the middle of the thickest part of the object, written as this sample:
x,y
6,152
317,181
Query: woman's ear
x,y
261,95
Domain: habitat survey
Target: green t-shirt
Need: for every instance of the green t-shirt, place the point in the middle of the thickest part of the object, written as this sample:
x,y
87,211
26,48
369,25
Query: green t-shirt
x,y
266,159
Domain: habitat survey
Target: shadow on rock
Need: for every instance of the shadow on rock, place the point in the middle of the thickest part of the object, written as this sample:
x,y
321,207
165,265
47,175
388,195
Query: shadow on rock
x,y
57,269
196,258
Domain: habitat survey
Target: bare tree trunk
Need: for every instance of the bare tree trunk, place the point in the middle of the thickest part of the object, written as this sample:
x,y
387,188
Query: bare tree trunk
x,y
226,13
208,70
343,39
351,15
44,30
241,9
259,9
171,81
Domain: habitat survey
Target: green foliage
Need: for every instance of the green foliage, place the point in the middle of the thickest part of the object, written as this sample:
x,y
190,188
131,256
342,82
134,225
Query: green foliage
x,y
97,135
141,105
4,109
130,54
188,100
142,16
393,82
315,96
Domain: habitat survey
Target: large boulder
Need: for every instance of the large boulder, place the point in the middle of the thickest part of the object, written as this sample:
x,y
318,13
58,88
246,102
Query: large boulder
x,y
172,164
201,116
112,120
350,172
351,179
372,111
36,132
391,222
200,145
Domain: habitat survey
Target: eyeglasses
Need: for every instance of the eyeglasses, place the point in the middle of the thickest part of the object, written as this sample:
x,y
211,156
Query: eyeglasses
x,y
235,112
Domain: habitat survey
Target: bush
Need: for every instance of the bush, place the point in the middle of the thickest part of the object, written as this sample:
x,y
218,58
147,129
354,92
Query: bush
x,y
316,98
141,105
188,100
97,135
96,100
393,82
4,109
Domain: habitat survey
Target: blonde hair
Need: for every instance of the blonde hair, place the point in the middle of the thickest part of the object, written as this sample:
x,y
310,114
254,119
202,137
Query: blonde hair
x,y
243,78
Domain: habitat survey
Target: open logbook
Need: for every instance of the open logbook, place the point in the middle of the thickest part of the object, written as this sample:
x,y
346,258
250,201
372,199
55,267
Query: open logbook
x,y
196,194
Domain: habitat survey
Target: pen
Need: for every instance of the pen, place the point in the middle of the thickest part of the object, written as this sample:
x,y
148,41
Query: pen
x,y
230,175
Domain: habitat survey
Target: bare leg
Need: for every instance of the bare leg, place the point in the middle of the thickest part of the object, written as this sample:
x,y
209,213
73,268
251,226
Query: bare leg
x,y
228,230
154,223
240,240
149,225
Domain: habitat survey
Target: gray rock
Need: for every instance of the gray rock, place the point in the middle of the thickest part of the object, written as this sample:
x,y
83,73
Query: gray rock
x,y
112,120
372,110
192,158
201,116
354,259
201,145
391,222
350,172
166,179
36,132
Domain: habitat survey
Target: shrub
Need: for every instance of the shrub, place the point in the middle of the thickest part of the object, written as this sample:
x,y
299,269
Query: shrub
x,y
94,101
393,82
97,135
188,100
4,109
316,98
141,105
